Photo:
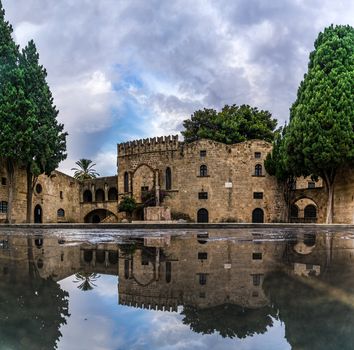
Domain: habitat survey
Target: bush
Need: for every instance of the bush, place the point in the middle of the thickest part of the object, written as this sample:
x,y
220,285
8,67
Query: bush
x,y
127,204
177,215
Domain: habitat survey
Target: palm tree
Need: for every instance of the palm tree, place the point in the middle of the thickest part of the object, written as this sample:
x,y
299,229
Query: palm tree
x,y
85,170
86,280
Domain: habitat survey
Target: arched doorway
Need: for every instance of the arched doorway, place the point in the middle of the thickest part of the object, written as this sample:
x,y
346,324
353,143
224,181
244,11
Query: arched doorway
x,y
38,214
98,215
310,213
202,215
258,216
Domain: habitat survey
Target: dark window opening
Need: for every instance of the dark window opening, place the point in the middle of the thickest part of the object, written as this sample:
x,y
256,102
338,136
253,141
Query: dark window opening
x,y
294,211
257,256
100,197
202,154
202,295
144,258
258,195
126,268
3,181
203,170
144,191
202,256
100,256
256,279
126,182
310,211
87,196
202,279
61,213
61,194
4,244
3,207
258,170
203,195
88,255
113,257
311,184
39,188
168,179
257,154
168,271
112,194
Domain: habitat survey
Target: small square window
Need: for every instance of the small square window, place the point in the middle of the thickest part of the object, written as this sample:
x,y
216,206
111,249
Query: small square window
x,y
256,279
3,181
203,195
203,256
258,195
202,154
311,184
257,256
257,154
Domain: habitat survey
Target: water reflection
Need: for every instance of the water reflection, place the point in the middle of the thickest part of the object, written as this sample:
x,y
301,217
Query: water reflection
x,y
238,285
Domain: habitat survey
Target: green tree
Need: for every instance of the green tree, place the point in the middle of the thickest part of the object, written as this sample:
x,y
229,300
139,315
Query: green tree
x,y
15,110
128,205
45,145
275,164
319,139
85,170
232,124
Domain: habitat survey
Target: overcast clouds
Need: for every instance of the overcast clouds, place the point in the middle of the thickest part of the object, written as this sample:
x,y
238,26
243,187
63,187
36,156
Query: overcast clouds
x,y
121,70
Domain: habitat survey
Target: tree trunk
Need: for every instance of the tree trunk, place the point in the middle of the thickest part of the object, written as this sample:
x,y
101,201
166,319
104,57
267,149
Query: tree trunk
x,y
329,180
11,176
29,194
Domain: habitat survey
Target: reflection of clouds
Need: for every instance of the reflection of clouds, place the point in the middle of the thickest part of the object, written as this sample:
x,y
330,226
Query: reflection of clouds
x,y
97,322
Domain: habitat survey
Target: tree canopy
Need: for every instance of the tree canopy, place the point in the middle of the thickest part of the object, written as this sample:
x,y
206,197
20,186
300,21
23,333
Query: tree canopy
x,y
85,170
232,124
320,136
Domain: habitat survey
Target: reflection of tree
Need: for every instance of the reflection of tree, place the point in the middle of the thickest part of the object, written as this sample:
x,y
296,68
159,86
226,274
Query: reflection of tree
x,y
86,280
229,320
317,312
31,313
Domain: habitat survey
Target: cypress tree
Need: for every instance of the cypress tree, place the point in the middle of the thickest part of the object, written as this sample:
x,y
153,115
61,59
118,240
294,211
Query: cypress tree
x,y
320,136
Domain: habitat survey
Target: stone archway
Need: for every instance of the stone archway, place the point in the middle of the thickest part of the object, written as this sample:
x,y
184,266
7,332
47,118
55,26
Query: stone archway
x,y
258,216
306,210
98,215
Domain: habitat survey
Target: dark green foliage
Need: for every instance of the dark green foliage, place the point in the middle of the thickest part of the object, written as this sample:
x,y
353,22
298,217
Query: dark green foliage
x,y
128,205
85,170
148,198
232,124
320,136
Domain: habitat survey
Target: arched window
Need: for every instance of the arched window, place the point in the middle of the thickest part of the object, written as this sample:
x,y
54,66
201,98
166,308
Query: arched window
x,y
126,182
61,213
203,170
202,215
257,216
310,211
168,178
87,196
100,195
294,211
3,207
112,194
88,255
258,170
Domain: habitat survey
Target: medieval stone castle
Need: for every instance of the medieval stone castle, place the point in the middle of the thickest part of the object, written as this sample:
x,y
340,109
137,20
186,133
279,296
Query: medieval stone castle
x,y
203,181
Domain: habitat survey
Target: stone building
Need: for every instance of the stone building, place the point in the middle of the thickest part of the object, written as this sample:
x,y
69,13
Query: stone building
x,y
202,181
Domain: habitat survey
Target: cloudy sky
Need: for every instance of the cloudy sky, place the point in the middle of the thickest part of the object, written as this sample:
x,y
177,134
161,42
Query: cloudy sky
x,y
127,69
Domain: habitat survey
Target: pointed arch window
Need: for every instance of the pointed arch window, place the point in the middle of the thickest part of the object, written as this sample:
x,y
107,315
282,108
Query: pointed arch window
x,y
258,170
168,178
203,171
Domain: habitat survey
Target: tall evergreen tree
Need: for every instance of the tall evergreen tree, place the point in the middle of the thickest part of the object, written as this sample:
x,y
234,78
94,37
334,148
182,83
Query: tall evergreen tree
x,y
320,136
14,107
47,141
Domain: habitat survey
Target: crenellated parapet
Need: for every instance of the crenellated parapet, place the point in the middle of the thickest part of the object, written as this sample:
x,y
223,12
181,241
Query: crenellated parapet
x,y
155,144
150,303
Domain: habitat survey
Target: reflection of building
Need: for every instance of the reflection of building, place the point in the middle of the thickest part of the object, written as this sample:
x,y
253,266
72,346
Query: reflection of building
x,y
202,273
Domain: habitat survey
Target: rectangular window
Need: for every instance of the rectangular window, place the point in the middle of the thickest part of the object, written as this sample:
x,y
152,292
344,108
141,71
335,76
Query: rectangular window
x,y
202,279
255,294
257,256
257,154
203,256
202,154
3,207
203,195
202,295
3,181
61,194
256,279
258,195
311,184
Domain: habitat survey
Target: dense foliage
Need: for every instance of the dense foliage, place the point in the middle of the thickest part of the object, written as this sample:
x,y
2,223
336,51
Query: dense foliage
x,y
320,136
232,124
128,205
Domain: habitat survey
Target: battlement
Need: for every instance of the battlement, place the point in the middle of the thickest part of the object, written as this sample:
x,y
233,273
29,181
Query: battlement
x,y
155,144
162,304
